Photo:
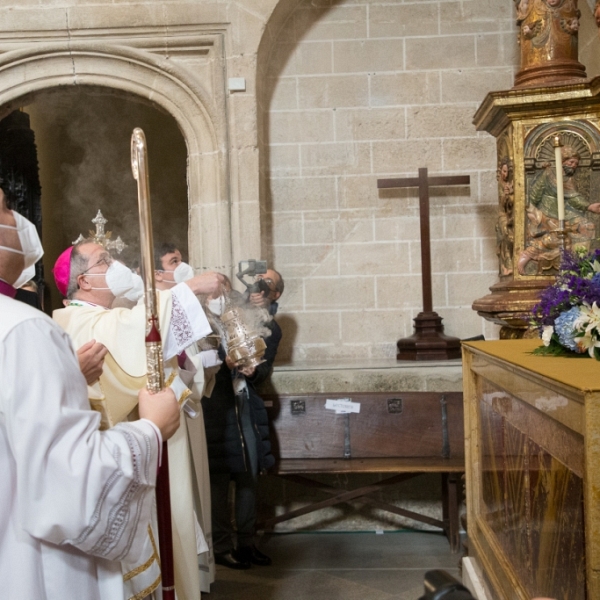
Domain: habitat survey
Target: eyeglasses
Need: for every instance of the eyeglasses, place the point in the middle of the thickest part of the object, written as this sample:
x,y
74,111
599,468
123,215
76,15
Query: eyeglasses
x,y
105,260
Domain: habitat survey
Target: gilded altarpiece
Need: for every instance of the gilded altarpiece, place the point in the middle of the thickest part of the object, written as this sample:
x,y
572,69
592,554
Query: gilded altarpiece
x,y
525,123
533,471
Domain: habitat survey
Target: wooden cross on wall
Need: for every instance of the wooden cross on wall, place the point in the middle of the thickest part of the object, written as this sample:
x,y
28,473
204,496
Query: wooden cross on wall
x,y
428,342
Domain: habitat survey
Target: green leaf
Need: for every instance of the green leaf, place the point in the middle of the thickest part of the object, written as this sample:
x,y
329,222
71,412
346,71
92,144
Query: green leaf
x,y
555,349
550,351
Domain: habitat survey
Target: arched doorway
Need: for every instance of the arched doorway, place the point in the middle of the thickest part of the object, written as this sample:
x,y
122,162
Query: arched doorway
x,y
82,136
24,74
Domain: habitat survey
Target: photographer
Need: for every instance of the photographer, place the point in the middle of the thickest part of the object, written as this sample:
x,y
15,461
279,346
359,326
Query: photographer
x,y
237,434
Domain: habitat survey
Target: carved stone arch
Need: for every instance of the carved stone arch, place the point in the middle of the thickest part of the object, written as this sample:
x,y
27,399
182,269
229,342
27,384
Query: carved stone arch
x,y
280,14
164,83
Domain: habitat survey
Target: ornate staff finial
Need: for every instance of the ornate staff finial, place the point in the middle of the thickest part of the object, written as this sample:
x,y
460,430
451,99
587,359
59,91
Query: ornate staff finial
x,y
103,237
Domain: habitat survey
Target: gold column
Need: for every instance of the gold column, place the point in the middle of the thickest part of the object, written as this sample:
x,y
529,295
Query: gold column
x,y
548,38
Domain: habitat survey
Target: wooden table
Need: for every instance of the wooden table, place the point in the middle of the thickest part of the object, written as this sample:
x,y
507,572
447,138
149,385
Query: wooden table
x,y
532,427
398,435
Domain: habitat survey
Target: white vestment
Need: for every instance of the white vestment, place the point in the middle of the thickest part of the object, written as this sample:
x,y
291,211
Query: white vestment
x,y
122,331
74,501
205,366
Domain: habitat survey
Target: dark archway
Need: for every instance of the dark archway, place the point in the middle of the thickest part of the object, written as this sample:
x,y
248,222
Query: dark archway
x,y
83,140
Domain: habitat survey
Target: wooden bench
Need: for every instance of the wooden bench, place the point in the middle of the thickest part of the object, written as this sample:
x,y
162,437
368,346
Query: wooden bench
x,y
402,435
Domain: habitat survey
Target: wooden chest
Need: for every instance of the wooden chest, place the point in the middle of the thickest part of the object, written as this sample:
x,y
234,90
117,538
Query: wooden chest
x,y
411,424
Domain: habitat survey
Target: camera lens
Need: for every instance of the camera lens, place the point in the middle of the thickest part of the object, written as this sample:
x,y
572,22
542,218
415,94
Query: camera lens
x,y
264,287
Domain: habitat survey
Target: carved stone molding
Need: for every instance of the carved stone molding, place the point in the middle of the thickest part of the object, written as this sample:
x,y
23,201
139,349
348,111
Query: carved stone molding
x,y
164,82
172,40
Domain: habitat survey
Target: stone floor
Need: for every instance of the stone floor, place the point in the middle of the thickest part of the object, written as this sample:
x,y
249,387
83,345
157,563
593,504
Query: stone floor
x,y
339,566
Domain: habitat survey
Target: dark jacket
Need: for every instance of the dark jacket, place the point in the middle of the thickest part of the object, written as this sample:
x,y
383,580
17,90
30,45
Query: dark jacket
x,y
225,441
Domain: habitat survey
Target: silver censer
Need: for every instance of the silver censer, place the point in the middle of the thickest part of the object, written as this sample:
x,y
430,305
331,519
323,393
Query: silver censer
x,y
245,347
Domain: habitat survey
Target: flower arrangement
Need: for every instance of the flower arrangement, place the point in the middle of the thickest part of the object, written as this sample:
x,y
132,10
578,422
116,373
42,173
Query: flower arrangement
x,y
568,313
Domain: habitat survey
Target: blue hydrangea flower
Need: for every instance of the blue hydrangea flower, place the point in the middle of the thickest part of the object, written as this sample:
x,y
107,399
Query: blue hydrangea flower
x,y
564,328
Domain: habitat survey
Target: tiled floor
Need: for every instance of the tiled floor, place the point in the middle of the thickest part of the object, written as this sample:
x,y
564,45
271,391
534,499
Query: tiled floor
x,y
339,566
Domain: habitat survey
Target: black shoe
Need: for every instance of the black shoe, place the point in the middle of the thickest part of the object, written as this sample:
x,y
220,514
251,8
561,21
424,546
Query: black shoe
x,y
227,559
251,554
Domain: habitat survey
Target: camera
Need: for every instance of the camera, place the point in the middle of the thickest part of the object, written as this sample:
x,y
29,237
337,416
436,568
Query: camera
x,y
252,268
440,585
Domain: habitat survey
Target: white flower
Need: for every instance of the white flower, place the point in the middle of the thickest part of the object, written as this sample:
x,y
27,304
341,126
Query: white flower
x,y
588,343
588,319
588,323
547,334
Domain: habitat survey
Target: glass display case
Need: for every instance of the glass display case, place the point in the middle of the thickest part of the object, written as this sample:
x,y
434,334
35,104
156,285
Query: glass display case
x,y
532,430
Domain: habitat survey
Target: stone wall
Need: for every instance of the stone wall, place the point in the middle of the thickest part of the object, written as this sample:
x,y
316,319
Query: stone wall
x,y
337,93
359,90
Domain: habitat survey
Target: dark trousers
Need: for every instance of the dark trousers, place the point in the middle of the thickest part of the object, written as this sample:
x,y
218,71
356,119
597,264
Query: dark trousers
x,y
244,494
244,510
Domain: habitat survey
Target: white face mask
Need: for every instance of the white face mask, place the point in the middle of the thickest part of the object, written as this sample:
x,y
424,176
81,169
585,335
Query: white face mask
x,y
31,246
216,305
183,272
25,276
137,291
118,278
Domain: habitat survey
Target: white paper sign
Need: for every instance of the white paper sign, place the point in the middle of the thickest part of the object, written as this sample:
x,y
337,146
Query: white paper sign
x,y
342,406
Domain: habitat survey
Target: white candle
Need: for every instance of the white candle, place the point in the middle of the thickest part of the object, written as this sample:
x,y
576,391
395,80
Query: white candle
x,y
560,191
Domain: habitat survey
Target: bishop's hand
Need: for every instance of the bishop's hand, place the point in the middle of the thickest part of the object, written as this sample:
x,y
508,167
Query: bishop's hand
x,y
91,360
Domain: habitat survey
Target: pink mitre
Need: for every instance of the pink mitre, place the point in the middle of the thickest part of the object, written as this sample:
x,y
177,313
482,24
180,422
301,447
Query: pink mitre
x,y
62,271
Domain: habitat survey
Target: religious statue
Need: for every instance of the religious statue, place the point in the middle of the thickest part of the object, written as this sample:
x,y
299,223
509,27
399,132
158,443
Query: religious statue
x,y
542,253
548,38
505,226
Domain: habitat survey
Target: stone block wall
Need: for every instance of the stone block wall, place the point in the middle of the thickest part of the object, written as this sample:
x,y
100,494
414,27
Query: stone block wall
x,y
360,90
339,93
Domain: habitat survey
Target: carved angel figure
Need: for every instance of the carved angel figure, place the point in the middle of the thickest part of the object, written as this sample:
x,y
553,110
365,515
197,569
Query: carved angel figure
x,y
532,29
505,227
522,9
570,25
